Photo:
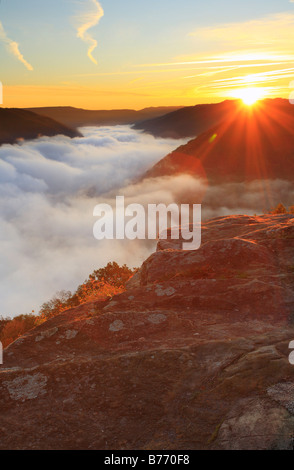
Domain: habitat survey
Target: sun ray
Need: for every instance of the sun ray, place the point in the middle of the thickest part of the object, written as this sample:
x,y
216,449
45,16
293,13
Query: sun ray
x,y
249,95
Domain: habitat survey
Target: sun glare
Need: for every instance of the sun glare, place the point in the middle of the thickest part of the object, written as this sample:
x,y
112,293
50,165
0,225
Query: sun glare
x,y
249,96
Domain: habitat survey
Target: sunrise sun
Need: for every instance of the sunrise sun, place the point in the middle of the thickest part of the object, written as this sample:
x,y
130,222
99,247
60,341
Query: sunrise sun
x,y
249,96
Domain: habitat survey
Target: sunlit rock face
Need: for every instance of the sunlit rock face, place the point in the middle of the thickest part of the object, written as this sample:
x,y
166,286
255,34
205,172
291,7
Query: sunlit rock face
x,y
194,355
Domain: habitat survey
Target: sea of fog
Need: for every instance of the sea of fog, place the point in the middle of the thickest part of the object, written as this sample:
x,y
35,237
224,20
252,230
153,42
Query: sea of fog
x,y
49,188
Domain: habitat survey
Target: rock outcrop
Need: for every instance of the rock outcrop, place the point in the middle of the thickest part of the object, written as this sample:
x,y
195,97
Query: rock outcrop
x,y
194,355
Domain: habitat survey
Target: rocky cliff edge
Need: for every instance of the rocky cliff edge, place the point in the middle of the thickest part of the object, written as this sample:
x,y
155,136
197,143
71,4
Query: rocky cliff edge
x,y
194,355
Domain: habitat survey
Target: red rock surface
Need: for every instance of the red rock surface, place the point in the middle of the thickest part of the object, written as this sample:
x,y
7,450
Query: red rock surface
x,y
194,355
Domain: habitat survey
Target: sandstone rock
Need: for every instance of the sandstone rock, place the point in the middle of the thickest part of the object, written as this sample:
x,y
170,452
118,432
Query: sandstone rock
x,y
194,355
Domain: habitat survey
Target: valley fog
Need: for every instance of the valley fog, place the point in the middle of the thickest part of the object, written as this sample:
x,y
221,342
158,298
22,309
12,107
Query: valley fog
x,y
50,186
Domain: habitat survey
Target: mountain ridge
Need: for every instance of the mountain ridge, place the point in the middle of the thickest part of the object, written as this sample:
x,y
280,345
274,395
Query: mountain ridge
x,y
192,121
251,144
79,117
18,124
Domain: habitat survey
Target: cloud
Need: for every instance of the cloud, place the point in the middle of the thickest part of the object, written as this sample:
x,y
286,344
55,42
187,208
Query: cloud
x,y
50,186
269,32
13,48
48,190
262,44
87,20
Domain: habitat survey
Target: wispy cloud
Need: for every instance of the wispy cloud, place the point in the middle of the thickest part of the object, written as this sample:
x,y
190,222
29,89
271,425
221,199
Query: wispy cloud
x,y
263,77
271,32
240,57
13,48
253,42
259,49
86,20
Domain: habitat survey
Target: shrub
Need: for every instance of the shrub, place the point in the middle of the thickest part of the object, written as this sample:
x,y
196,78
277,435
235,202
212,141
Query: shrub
x,y
280,209
100,285
16,327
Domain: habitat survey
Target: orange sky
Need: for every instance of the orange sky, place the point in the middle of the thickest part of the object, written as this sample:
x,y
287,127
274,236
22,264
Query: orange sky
x,y
104,59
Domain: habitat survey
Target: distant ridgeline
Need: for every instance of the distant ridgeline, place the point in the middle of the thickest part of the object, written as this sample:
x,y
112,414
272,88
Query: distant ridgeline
x,y
18,124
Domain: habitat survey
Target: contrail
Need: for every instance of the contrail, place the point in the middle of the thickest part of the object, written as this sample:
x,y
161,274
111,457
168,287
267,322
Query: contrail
x,y
86,21
13,47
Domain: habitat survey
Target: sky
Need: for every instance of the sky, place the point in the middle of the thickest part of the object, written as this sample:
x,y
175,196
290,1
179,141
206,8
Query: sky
x,y
134,54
